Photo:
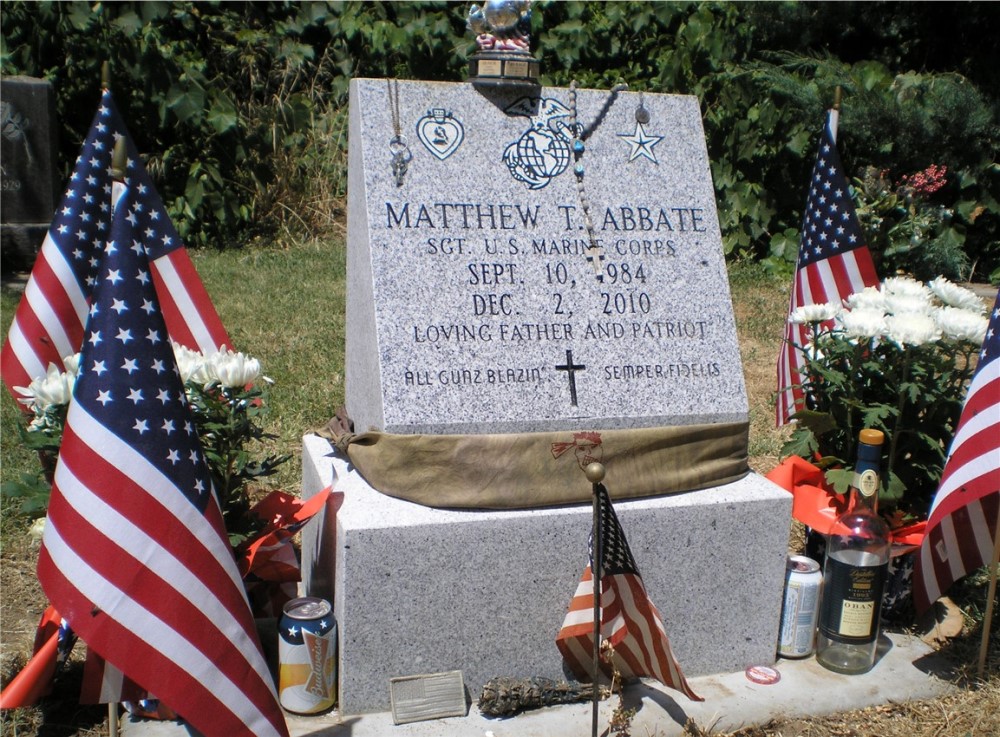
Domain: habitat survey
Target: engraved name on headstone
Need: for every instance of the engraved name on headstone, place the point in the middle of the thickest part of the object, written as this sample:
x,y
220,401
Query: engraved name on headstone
x,y
474,301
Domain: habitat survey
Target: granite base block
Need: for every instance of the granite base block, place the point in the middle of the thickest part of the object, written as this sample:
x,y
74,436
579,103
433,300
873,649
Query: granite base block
x,y
420,590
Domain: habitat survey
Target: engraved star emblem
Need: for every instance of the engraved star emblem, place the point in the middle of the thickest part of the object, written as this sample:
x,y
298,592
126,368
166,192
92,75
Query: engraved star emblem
x,y
641,142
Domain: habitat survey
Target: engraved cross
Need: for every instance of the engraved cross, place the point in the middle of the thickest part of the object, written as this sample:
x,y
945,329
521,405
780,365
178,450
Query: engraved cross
x,y
571,368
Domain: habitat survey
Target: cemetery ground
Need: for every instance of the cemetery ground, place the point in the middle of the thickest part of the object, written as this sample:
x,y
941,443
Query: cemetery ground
x,y
285,306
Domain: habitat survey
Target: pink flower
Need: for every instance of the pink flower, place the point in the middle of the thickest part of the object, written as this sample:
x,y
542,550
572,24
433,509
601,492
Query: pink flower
x,y
928,181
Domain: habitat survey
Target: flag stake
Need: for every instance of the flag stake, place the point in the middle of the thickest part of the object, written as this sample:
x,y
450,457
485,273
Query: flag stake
x,y
595,474
105,75
990,595
112,719
118,160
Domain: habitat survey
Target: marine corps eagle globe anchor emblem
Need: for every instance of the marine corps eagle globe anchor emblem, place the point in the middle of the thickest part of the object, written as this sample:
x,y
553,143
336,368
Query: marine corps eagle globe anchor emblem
x,y
543,151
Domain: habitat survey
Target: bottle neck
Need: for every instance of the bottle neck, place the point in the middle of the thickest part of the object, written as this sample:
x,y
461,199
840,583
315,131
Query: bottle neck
x,y
858,501
864,487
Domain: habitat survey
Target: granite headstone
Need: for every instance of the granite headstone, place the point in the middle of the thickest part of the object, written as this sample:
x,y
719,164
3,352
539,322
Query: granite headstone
x,y
472,304
473,308
28,188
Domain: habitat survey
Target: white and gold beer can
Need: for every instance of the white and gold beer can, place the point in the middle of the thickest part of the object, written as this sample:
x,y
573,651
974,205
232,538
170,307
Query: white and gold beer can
x,y
800,611
307,650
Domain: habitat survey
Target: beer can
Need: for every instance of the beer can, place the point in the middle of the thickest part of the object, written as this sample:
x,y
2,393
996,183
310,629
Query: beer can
x,y
307,645
800,609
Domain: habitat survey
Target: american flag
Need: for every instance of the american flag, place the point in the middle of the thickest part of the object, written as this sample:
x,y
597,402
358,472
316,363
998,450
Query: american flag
x,y
963,520
134,554
49,322
629,620
834,262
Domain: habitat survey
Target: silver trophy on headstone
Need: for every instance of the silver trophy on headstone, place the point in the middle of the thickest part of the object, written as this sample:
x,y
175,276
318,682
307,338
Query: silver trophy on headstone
x,y
502,29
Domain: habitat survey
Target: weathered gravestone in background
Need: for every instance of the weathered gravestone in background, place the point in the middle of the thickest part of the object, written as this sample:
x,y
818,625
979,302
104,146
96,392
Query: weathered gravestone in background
x,y
472,308
28,189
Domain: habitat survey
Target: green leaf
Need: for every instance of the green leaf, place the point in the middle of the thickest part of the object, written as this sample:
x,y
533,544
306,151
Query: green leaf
x,y
222,114
128,22
893,491
186,102
819,423
840,479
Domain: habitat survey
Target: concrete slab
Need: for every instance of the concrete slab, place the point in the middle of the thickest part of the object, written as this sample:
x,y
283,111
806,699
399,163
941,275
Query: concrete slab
x,y
422,590
907,670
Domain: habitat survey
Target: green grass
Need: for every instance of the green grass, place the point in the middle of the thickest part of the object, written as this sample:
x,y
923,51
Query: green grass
x,y
760,303
286,308
14,460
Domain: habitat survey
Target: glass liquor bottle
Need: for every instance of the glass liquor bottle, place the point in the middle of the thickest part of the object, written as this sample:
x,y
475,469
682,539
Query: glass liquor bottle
x,y
854,572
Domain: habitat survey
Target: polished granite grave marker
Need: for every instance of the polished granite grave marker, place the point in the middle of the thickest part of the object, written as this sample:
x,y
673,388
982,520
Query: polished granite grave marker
x,y
477,302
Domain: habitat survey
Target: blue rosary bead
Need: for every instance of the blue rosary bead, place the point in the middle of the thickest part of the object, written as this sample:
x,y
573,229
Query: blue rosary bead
x,y
578,147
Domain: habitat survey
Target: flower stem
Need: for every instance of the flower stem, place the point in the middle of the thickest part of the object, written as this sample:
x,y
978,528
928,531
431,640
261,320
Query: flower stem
x,y
900,403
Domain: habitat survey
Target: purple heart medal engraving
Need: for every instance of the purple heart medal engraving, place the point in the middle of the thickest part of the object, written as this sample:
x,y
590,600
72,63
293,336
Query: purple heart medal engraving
x,y
440,133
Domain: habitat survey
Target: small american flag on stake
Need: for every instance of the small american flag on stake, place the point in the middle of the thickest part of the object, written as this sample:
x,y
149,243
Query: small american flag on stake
x,y
964,516
135,555
48,325
834,261
629,620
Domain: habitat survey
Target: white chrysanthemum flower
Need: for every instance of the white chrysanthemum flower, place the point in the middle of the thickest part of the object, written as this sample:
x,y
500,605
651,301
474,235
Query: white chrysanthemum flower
x,y
912,328
233,369
905,286
961,324
37,529
869,298
955,296
53,389
814,313
72,364
901,304
862,323
191,364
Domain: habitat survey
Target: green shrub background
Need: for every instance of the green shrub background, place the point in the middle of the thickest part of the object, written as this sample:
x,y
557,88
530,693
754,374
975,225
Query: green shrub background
x,y
240,108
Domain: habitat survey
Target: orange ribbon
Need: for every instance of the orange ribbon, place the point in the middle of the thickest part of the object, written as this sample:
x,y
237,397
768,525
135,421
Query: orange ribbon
x,y
816,505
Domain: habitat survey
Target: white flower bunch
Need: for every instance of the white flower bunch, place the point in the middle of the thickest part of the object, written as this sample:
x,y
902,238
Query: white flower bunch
x,y
896,357
47,395
230,369
904,311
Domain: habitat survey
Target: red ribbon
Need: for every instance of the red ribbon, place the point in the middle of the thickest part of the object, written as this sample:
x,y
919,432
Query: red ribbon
x,y
816,505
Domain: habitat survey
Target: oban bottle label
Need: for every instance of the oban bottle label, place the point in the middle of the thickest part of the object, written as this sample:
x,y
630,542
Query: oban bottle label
x,y
851,602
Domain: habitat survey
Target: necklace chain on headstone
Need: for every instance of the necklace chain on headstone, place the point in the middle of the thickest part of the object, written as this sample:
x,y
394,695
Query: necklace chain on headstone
x,y
641,113
401,155
594,254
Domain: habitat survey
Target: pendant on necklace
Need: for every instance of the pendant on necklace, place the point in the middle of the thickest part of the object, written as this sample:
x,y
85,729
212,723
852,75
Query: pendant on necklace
x,y
401,157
